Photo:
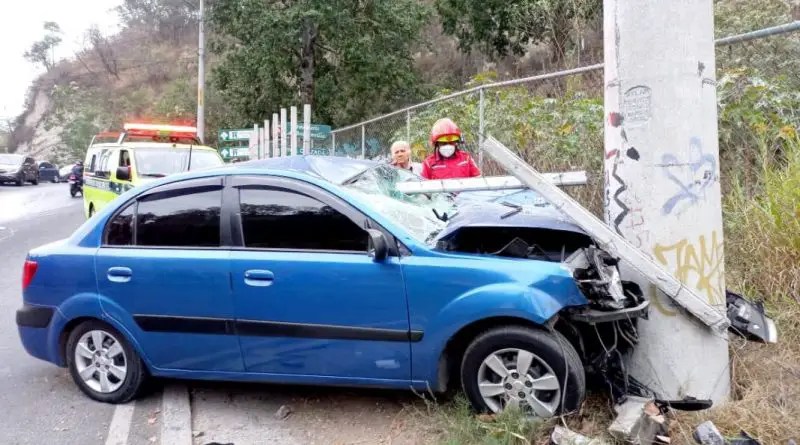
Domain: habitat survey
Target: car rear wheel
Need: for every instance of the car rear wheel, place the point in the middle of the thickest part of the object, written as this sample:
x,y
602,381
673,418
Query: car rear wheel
x,y
35,180
103,364
537,371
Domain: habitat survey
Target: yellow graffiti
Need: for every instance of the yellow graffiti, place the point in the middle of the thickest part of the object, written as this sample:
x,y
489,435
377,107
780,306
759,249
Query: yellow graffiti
x,y
661,306
700,264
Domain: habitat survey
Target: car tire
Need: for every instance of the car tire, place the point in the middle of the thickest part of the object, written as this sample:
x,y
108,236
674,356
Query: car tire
x,y
542,390
35,180
111,373
20,180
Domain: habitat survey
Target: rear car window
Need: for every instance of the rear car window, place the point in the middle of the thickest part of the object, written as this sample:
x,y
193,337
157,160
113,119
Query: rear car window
x,y
187,220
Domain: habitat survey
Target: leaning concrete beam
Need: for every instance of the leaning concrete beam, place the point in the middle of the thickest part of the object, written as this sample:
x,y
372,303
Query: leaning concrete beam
x,y
607,239
487,183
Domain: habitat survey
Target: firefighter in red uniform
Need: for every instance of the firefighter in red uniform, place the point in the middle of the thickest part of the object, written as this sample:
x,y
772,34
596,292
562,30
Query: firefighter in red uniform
x,y
448,159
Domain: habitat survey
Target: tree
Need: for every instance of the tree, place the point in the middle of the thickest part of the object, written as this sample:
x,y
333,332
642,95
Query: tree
x,y
42,51
347,58
500,27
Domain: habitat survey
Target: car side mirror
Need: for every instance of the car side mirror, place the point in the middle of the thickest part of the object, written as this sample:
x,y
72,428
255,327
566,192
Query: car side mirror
x,y
124,173
377,247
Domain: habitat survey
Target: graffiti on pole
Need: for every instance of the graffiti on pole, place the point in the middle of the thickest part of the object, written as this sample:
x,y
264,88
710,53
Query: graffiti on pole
x,y
698,263
692,178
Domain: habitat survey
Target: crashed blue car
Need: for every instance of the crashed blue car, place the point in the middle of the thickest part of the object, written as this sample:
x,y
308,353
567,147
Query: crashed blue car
x,y
317,270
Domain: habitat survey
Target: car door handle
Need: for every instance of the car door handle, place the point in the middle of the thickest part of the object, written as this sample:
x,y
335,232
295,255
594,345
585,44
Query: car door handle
x,y
255,277
119,274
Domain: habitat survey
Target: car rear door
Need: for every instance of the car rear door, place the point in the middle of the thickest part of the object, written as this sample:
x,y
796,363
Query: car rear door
x,y
163,272
309,299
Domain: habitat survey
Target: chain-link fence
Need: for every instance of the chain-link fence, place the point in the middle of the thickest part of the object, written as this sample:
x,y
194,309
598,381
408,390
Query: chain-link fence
x,y
555,120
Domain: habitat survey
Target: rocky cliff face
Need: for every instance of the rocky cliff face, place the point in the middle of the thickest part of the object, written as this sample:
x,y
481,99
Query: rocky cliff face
x,y
43,140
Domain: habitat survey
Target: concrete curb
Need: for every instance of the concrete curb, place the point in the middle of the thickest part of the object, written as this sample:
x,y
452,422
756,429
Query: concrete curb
x,y
176,411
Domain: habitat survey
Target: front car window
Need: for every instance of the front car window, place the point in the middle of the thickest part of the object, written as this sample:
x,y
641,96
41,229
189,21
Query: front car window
x,y
158,162
275,218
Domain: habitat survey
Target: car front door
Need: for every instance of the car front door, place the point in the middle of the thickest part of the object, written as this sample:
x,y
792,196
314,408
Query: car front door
x,y
164,269
309,299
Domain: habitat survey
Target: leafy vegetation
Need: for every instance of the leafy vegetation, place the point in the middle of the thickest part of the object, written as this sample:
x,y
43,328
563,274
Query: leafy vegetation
x,y
41,52
501,27
319,52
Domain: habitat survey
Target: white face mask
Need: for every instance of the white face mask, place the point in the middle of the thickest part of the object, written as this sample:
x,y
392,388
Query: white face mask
x,y
447,150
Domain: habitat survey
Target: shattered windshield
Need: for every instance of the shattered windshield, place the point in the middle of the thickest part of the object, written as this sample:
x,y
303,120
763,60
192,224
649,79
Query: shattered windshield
x,y
423,215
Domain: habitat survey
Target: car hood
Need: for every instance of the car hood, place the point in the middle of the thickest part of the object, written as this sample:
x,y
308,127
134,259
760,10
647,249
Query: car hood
x,y
9,166
522,208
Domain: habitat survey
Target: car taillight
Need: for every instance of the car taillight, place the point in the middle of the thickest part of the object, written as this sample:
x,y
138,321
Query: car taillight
x,y
71,176
28,271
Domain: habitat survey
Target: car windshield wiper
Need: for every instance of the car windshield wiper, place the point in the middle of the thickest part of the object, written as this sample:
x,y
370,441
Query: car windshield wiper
x,y
153,175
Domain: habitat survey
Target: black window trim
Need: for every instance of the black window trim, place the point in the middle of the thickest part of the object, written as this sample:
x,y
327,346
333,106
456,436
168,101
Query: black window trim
x,y
171,190
304,188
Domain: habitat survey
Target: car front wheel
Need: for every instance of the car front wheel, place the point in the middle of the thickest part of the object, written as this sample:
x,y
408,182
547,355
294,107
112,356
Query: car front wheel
x,y
537,371
103,364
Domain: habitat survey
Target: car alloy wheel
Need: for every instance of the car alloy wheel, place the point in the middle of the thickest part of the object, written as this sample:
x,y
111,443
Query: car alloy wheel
x,y
536,370
516,377
101,361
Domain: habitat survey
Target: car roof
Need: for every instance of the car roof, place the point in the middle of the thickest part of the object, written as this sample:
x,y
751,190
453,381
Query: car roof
x,y
334,169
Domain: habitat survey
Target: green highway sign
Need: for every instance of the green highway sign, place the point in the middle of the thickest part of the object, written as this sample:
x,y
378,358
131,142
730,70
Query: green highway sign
x,y
233,152
235,135
318,131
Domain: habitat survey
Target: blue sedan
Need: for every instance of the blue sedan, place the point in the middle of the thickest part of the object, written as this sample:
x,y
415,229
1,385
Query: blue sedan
x,y
317,270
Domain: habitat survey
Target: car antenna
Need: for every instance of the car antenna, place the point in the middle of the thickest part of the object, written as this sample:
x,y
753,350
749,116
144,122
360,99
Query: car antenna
x,y
189,167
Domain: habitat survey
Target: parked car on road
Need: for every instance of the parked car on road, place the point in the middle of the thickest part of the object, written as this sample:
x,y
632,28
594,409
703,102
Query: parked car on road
x,y
48,172
18,169
317,270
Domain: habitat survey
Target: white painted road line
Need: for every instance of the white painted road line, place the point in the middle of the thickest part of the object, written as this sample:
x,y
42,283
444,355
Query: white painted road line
x,y
176,423
120,424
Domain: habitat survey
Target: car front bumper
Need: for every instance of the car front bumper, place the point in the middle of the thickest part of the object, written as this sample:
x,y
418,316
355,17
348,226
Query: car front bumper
x,y
8,177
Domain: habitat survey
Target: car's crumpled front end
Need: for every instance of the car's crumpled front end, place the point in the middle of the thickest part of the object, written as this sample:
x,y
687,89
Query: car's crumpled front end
x,y
602,331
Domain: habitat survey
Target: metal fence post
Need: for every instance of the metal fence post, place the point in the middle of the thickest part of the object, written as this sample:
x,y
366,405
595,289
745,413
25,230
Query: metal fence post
x,y
480,128
267,150
284,141
276,150
333,144
255,136
408,127
363,143
306,129
293,129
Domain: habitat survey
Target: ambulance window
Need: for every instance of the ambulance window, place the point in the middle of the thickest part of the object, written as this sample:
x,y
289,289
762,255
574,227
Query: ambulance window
x,y
103,167
124,158
92,164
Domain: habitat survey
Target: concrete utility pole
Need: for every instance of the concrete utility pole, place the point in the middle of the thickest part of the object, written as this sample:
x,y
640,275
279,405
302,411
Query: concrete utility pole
x,y
201,75
662,190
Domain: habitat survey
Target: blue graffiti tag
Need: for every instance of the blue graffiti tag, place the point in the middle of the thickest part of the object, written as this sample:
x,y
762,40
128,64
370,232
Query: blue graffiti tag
x,y
702,169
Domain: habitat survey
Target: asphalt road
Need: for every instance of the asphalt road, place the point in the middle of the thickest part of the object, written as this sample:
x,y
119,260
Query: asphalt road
x,y
39,403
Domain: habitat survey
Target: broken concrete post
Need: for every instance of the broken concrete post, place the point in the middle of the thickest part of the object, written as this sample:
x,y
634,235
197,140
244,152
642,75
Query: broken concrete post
x,y
638,421
662,181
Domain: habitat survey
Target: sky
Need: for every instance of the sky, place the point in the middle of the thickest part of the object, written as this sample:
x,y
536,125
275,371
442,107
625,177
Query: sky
x,y
22,25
